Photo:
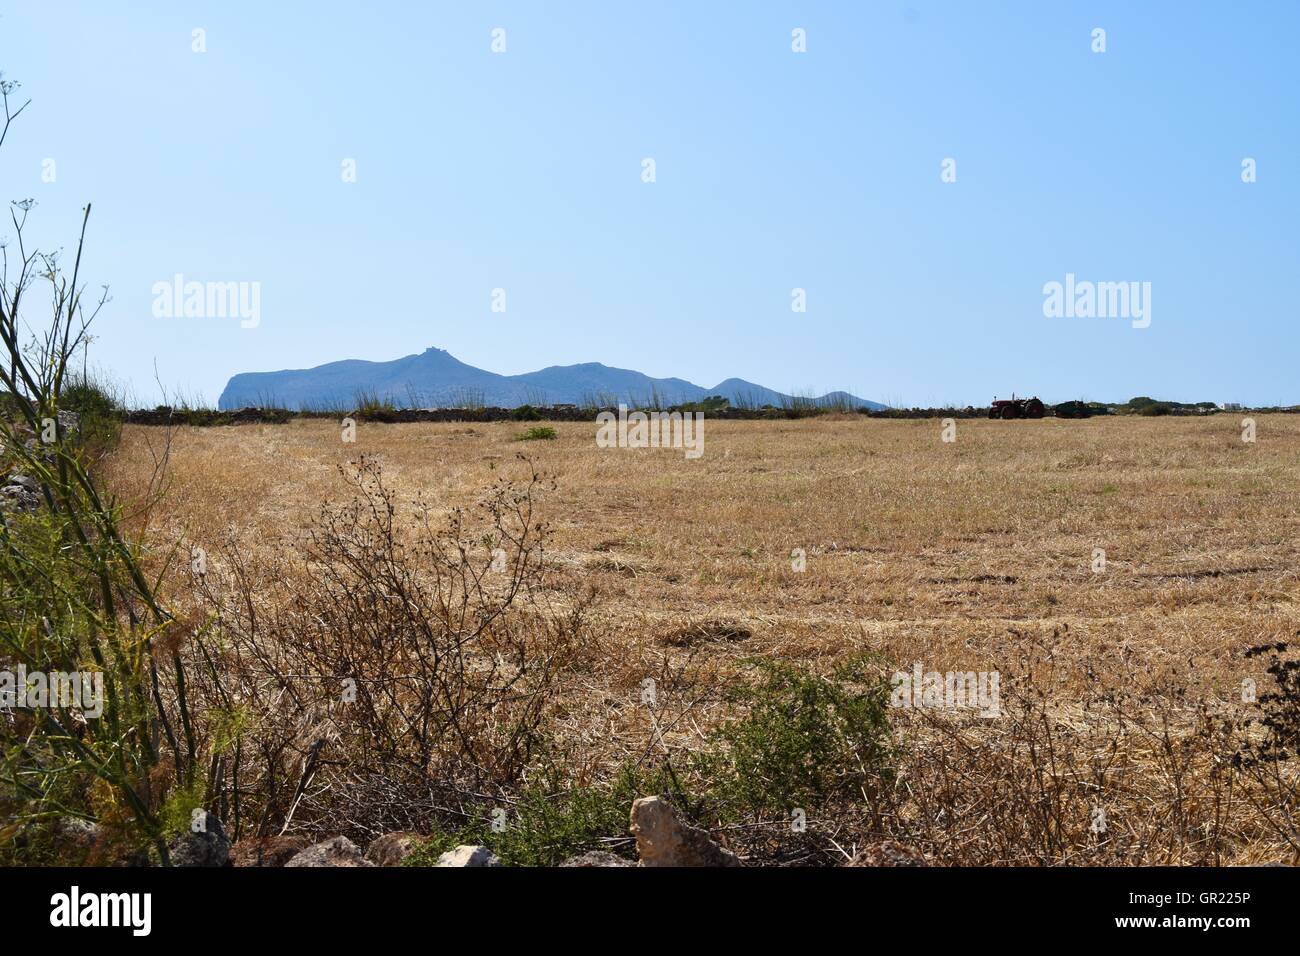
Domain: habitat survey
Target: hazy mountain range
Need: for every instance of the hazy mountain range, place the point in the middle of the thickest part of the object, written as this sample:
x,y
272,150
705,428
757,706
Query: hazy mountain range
x,y
435,378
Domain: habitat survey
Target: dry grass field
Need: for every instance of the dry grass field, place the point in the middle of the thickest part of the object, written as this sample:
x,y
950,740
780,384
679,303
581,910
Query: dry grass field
x,y
975,555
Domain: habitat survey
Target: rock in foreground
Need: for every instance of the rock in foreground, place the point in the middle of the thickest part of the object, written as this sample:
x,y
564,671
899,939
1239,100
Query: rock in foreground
x,y
597,858
207,845
267,851
663,838
469,856
392,849
339,851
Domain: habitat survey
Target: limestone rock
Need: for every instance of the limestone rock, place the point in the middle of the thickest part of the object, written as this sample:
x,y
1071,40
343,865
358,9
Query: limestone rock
x,y
663,838
469,856
340,851
70,423
20,493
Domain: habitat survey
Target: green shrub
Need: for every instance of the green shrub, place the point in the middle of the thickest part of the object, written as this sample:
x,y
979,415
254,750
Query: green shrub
x,y
87,397
177,811
551,820
805,740
526,413
99,412
541,433
710,405
372,407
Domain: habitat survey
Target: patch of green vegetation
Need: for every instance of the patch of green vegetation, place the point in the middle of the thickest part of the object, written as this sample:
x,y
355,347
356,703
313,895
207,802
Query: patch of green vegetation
x,y
526,413
177,812
203,417
1138,405
51,620
1144,405
372,407
551,821
1155,408
711,405
805,740
541,433
99,413
87,397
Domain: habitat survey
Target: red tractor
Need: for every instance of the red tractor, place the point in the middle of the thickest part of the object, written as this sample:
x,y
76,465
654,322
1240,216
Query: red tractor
x,y
1016,408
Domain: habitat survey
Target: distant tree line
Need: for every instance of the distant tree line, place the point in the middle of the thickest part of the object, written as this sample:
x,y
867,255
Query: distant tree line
x,y
104,405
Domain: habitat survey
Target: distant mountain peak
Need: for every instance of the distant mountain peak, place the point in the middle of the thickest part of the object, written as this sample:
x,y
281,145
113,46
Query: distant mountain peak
x,y
441,379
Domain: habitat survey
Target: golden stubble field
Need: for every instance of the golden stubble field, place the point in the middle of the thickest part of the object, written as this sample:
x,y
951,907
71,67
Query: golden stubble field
x,y
972,555
913,546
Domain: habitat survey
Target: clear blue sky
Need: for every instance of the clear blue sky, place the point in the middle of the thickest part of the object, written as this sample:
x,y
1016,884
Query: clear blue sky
x,y
775,170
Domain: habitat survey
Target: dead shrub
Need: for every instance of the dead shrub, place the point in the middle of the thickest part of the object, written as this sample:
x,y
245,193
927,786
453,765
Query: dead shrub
x,y
378,676
1136,776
